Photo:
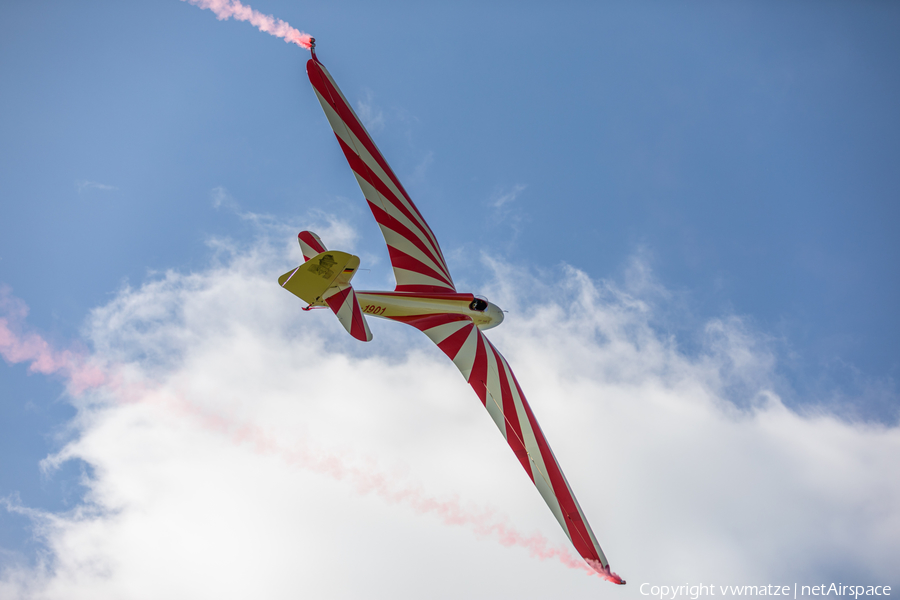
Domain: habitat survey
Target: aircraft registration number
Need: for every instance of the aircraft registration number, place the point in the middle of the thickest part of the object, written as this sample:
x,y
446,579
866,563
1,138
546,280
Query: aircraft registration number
x,y
374,309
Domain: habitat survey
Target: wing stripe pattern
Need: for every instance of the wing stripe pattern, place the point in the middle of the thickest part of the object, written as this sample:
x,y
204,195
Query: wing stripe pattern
x,y
452,329
493,402
406,232
346,307
371,189
310,244
375,187
493,381
579,531
326,87
513,427
391,228
454,342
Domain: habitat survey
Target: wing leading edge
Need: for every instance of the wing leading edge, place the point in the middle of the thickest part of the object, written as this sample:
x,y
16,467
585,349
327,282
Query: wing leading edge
x,y
485,369
416,257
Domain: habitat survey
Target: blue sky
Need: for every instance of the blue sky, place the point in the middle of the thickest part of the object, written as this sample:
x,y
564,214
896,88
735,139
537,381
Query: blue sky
x,y
730,162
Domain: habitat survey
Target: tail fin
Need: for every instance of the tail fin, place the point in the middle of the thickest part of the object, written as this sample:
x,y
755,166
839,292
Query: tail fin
x,y
310,244
324,279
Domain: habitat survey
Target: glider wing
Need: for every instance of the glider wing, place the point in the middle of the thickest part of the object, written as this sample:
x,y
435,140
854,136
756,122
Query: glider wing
x,y
418,263
495,384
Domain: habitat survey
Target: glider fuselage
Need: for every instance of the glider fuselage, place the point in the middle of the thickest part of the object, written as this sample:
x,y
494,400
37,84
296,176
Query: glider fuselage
x,y
401,306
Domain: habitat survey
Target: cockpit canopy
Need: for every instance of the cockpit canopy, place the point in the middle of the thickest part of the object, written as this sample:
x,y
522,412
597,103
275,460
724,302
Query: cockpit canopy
x,y
479,304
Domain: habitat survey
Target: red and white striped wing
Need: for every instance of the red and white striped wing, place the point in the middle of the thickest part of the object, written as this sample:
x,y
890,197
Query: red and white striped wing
x,y
418,263
495,384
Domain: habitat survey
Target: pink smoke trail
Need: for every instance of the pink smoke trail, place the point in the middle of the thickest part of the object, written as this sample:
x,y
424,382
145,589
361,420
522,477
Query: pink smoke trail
x,y
224,9
366,480
17,346
32,348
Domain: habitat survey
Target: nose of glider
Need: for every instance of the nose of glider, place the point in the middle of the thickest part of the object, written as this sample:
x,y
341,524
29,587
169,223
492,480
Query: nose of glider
x,y
494,315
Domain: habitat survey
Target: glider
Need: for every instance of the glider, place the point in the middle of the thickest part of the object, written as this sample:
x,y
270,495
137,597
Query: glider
x,y
426,298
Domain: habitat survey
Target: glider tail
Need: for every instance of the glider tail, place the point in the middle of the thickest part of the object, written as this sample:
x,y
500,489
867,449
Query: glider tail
x,y
342,300
324,280
310,244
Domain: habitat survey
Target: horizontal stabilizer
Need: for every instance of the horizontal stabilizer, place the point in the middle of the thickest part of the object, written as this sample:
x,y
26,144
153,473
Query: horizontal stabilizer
x,y
345,305
311,280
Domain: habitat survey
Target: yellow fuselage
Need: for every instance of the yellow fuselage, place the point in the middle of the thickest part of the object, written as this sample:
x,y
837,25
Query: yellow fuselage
x,y
400,306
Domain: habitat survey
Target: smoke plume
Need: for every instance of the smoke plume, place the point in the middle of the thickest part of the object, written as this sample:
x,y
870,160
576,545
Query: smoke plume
x,y
226,9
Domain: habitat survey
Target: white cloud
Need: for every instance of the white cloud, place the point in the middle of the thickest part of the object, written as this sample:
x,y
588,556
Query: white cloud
x,y
421,169
82,186
371,116
505,213
220,198
503,197
245,448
